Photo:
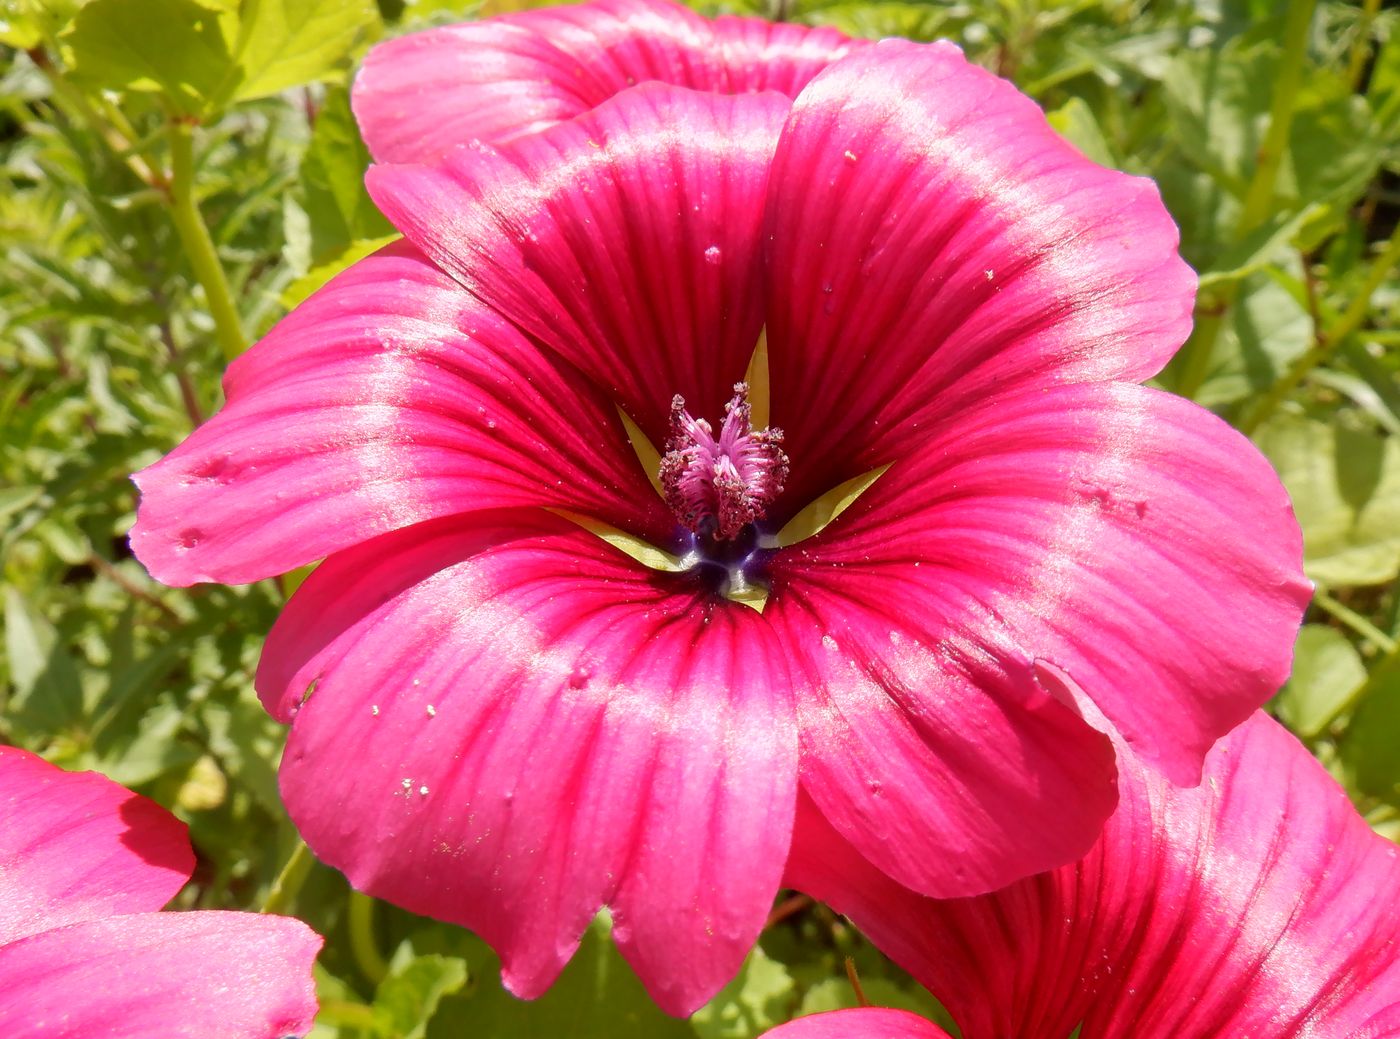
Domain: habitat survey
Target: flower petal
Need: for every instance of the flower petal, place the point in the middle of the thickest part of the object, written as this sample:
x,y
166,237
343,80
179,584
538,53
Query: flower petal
x,y
625,240
75,846
1123,535
1258,904
514,724
931,749
420,95
389,397
863,1023
983,254
161,976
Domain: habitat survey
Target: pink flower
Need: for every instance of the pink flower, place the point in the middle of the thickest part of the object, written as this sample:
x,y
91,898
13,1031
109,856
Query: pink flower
x,y
1257,904
502,720
421,95
84,865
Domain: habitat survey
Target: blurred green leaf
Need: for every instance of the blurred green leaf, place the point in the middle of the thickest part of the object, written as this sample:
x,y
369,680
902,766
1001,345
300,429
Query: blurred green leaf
x,y
1267,328
1345,487
176,47
408,998
1075,122
1327,671
337,205
287,43
1370,750
30,23
47,695
758,999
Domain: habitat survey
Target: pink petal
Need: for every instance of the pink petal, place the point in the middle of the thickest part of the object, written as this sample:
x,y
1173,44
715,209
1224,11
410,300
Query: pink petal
x,y
75,846
625,240
931,748
419,96
1123,535
934,242
865,1023
1257,904
389,397
161,976
513,724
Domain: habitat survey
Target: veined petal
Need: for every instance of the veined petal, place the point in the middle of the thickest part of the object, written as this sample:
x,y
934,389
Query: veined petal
x,y
934,242
75,846
514,724
389,397
420,95
862,1023
930,747
626,240
1259,903
1096,525
161,976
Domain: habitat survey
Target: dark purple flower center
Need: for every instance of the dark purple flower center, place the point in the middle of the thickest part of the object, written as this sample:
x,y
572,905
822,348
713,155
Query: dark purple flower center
x,y
718,487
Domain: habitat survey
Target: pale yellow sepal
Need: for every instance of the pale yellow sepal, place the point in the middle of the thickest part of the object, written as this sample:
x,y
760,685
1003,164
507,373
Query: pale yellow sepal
x,y
757,377
645,450
754,596
815,517
643,552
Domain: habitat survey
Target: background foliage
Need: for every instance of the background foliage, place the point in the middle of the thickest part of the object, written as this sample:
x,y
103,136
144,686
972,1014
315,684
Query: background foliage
x,y
175,174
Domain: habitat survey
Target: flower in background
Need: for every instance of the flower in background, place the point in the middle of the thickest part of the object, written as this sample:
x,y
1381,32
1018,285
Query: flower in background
x,y
84,866
421,95
545,669
1257,904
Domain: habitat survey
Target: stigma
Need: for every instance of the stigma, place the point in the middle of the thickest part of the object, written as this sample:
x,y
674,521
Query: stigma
x,y
718,486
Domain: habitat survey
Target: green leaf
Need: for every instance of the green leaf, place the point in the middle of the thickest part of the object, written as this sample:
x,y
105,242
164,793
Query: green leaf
x,y
338,207
29,23
1267,328
1327,671
313,279
758,999
1370,750
47,695
175,47
286,43
408,998
1345,487
1075,122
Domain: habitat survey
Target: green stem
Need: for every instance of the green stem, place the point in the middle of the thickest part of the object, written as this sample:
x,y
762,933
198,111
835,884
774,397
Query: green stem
x,y
1328,339
362,944
1354,621
1361,46
289,881
199,246
1259,194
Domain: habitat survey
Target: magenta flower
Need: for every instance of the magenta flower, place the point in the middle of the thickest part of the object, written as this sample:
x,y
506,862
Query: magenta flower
x,y
501,719
84,954
1257,904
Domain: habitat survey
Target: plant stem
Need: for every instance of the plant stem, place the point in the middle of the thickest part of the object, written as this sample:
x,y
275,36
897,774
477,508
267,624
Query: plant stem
x,y
289,881
1361,46
199,246
362,945
1259,195
1328,339
1354,621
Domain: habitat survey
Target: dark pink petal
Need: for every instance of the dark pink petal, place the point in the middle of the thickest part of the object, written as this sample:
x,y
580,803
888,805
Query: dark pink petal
x,y
625,240
929,746
419,96
1123,535
865,1023
75,846
161,976
389,397
1257,904
513,724
934,242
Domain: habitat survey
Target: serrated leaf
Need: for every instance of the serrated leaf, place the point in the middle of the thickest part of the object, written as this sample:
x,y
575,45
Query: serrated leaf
x,y
286,43
1345,487
176,47
758,999
1327,671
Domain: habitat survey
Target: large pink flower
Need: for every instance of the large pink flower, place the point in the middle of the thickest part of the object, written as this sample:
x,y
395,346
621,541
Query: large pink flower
x,y
1257,904
84,865
504,720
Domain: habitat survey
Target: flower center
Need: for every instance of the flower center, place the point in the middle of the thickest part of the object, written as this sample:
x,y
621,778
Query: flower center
x,y
718,486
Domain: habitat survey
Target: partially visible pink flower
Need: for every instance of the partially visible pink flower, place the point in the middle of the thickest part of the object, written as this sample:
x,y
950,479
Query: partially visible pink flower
x,y
1258,904
500,719
419,96
84,954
